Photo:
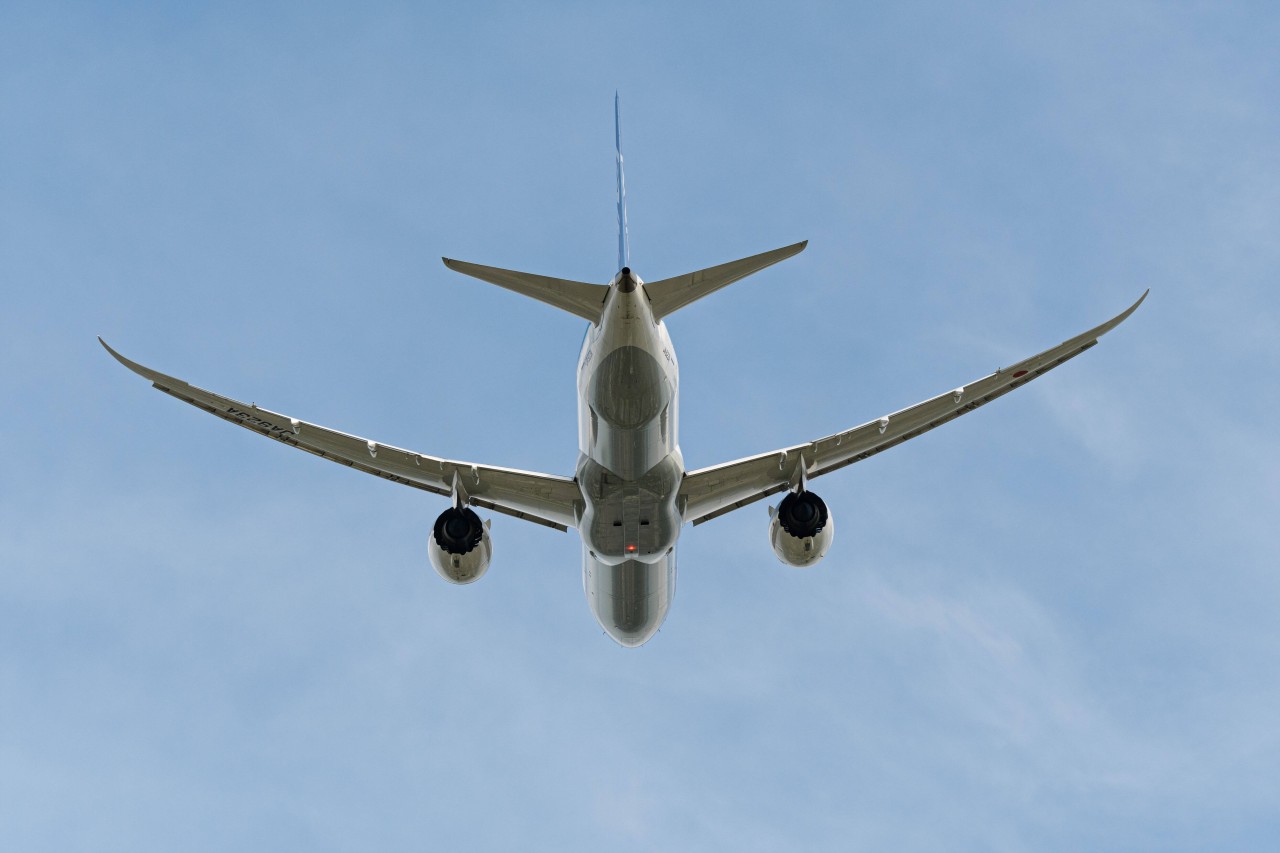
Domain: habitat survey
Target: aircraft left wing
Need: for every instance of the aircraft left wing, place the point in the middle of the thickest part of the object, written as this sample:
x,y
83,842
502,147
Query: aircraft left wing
x,y
541,498
712,492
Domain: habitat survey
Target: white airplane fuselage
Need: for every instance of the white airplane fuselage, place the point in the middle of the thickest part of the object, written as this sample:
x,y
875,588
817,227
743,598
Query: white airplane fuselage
x,y
629,465
630,494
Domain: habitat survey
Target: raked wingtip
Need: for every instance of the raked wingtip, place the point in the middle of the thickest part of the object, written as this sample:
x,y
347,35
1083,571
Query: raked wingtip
x,y
1134,306
132,365
106,346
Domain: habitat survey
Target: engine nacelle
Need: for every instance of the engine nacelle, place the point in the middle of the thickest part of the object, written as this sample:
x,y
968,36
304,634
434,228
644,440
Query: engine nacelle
x,y
460,546
800,529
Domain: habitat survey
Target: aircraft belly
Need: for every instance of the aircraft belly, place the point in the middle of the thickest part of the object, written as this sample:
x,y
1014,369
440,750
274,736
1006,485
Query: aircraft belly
x,y
630,600
629,470
629,402
630,519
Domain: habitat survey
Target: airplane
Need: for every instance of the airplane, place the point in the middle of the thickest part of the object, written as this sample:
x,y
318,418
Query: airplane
x,y
630,495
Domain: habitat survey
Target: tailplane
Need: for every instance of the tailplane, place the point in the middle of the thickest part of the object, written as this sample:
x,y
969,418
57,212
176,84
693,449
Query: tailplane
x,y
587,300
672,294
577,297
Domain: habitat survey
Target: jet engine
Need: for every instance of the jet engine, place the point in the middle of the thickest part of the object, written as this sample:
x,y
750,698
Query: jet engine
x,y
800,529
460,545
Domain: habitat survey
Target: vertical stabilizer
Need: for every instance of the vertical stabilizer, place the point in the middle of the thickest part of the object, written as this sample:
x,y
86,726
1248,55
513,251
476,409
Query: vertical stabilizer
x,y
624,248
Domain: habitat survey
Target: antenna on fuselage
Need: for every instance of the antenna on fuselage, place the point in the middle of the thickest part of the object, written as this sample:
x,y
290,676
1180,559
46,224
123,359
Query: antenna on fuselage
x,y
624,248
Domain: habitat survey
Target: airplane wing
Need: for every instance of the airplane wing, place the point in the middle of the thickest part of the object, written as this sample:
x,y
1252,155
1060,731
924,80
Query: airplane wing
x,y
540,498
712,492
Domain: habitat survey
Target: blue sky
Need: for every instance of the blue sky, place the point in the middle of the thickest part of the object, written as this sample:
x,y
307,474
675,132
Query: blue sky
x,y
1050,626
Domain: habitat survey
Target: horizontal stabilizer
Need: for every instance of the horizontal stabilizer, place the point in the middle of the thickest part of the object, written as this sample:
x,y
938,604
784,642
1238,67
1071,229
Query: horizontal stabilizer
x,y
672,294
576,297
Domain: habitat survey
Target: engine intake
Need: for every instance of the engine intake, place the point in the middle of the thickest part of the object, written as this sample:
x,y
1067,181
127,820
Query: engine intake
x,y
801,529
460,547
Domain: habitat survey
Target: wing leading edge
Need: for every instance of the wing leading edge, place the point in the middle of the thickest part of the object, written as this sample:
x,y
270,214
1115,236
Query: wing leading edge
x,y
712,492
541,498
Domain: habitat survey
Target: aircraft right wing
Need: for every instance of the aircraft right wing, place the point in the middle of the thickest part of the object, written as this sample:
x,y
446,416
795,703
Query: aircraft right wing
x,y
541,498
712,492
